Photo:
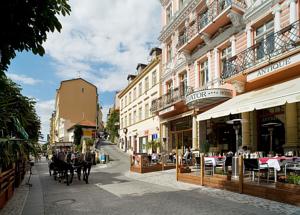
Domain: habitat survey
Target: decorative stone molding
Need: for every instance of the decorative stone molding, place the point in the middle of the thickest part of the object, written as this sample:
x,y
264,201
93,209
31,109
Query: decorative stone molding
x,y
206,38
276,9
239,86
202,50
178,19
258,8
236,18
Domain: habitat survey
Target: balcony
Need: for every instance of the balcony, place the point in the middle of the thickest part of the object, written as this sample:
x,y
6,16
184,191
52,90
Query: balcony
x,y
219,13
172,97
190,39
276,45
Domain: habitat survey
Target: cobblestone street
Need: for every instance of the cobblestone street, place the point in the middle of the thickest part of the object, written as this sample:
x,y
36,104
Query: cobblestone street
x,y
114,190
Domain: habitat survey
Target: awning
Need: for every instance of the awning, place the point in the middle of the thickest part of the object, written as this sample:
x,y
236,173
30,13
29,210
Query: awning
x,y
276,95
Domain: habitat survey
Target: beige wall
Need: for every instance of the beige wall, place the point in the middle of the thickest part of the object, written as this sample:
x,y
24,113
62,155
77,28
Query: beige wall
x,y
77,105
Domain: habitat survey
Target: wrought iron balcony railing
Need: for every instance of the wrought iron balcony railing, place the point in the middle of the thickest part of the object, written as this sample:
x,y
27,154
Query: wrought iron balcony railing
x,y
267,48
216,8
173,96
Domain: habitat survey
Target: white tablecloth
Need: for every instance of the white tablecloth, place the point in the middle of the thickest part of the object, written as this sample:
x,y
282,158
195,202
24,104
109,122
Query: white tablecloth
x,y
274,163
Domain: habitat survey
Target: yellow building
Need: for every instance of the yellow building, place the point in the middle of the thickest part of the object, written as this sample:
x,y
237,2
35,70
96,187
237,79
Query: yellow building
x,y
76,100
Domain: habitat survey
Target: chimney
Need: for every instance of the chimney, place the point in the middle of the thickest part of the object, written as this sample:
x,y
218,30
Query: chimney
x,y
140,67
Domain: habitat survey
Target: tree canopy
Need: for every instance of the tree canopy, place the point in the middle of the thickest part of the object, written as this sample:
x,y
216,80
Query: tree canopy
x,y
25,25
112,125
13,105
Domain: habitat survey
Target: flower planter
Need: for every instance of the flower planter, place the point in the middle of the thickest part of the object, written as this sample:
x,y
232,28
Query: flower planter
x,y
287,186
184,170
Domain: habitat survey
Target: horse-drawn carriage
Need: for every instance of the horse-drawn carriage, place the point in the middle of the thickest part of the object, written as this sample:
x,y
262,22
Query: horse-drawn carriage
x,y
63,167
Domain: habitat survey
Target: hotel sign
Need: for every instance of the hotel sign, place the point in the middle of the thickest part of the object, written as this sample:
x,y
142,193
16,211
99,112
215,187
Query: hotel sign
x,y
201,95
273,67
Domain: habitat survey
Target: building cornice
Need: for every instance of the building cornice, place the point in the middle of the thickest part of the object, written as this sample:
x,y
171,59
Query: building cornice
x,y
177,19
256,10
144,72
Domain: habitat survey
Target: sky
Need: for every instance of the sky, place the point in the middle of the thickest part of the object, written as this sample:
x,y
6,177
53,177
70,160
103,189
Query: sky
x,y
101,41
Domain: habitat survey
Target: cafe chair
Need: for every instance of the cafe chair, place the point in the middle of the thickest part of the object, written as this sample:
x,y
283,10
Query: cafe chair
x,y
253,166
220,164
209,167
197,163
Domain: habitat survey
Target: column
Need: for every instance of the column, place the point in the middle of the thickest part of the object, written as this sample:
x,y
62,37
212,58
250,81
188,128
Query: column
x,y
209,69
276,12
194,133
233,45
246,129
217,68
202,133
254,129
291,126
196,73
249,36
293,11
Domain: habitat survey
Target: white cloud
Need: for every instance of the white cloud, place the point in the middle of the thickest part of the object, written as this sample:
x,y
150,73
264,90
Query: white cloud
x,y
44,109
23,79
105,40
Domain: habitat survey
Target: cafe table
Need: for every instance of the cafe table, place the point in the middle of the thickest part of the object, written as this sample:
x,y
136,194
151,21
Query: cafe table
x,y
274,162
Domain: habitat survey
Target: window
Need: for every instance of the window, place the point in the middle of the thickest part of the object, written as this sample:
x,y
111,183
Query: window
x,y
134,93
169,85
169,52
154,78
125,101
129,98
140,88
82,90
129,119
134,117
146,111
125,123
169,13
225,54
140,113
146,84
265,39
121,126
203,73
122,104
183,83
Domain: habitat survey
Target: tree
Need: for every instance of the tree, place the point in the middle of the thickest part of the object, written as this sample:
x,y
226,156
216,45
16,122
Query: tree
x,y
77,134
25,24
14,107
112,126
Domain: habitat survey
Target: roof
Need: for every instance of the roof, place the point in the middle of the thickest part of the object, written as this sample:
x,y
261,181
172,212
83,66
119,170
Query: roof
x,y
84,123
76,79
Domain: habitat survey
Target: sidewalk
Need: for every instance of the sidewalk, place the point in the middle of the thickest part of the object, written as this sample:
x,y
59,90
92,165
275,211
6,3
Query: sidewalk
x,y
168,178
26,200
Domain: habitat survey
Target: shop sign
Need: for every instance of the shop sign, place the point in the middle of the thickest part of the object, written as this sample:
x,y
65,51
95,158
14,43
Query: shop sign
x,y
154,136
209,93
273,67
167,110
87,133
